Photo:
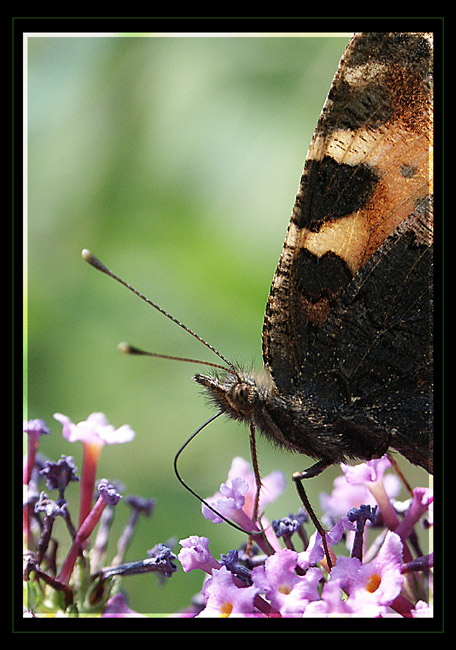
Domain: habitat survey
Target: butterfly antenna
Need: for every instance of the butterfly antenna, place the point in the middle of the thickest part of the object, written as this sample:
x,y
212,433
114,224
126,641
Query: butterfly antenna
x,y
126,348
97,264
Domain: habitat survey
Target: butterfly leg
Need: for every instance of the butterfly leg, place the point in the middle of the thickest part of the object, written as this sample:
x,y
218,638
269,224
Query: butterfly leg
x,y
310,472
298,477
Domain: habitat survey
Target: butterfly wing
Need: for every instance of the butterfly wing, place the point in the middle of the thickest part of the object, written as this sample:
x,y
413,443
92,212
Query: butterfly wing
x,y
348,319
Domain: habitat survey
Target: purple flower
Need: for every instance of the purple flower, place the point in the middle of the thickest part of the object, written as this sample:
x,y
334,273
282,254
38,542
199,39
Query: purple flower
x,y
38,427
344,497
163,559
58,475
236,497
370,475
116,607
361,516
376,583
354,488
314,553
422,610
272,485
51,509
290,583
287,592
224,598
229,502
93,433
95,430
422,499
366,473
35,429
195,555
108,495
108,492
331,603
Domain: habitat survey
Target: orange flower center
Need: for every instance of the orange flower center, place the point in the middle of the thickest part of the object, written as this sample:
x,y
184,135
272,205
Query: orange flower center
x,y
226,609
373,583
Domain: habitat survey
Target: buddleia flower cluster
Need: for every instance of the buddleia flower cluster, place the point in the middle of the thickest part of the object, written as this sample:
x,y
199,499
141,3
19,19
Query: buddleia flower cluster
x,y
289,576
76,578
376,567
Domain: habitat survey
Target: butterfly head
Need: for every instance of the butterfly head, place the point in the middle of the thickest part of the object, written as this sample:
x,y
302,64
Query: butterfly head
x,y
238,395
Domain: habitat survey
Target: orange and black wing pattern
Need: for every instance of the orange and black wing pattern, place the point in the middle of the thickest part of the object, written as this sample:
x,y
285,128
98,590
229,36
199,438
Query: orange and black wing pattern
x,y
348,323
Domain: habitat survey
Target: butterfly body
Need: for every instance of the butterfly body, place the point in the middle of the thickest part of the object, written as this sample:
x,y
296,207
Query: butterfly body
x,y
295,422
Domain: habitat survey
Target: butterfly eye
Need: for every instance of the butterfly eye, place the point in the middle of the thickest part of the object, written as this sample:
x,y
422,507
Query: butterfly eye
x,y
243,395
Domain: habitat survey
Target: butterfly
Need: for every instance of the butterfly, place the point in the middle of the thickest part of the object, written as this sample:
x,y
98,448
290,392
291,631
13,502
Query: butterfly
x,y
347,334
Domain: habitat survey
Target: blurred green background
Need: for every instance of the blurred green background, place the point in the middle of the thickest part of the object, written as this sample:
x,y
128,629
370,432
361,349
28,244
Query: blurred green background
x,y
176,161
